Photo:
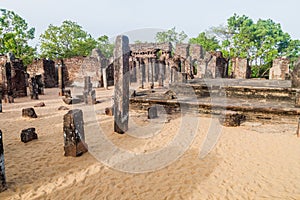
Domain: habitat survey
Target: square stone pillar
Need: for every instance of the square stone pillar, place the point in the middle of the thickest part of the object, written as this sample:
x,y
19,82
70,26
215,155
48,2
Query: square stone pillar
x,y
61,83
122,79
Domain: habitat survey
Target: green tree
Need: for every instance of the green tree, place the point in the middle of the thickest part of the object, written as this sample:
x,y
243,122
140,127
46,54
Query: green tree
x,y
105,46
208,43
65,41
260,42
170,36
15,35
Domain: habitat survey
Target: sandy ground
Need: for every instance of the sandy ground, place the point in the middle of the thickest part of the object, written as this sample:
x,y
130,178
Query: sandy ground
x,y
253,161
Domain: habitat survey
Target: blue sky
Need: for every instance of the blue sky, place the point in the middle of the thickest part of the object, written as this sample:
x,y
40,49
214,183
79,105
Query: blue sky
x,y
140,19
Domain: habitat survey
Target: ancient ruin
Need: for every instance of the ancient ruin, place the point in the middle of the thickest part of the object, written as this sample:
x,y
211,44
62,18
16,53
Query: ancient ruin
x,y
44,71
12,78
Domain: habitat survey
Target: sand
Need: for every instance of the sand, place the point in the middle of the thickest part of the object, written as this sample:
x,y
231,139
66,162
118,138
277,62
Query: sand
x,y
254,161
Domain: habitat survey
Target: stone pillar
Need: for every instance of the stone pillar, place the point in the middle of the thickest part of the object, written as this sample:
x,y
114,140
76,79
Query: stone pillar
x,y
33,88
87,84
2,166
140,78
146,65
74,139
161,75
104,78
61,84
168,73
151,72
122,78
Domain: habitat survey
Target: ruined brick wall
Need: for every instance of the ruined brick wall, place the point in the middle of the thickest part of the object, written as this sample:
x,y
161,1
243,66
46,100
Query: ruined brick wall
x,y
150,47
240,68
45,68
18,78
76,68
72,68
196,52
182,50
280,69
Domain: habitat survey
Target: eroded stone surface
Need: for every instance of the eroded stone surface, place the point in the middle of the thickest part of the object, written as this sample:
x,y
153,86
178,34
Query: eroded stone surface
x,y
74,138
29,112
122,78
28,135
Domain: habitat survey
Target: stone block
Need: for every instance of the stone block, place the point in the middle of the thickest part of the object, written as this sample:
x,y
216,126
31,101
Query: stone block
x,y
29,112
42,104
152,112
74,138
231,118
28,135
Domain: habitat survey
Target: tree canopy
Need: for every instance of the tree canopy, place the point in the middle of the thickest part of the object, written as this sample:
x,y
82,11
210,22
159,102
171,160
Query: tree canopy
x,y
66,41
260,42
170,36
15,35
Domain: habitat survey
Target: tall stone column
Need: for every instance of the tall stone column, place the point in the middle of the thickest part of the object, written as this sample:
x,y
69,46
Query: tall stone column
x,y
168,73
146,65
161,74
151,72
122,78
139,72
61,84
2,166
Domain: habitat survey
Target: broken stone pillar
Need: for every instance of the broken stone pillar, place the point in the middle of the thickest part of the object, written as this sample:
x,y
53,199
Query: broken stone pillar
x,y
29,112
89,97
104,78
0,99
61,83
152,112
280,69
231,118
297,99
122,78
240,68
74,139
28,135
33,88
2,166
296,75
87,84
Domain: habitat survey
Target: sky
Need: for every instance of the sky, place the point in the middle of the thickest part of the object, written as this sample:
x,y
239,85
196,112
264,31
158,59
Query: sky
x,y
141,19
